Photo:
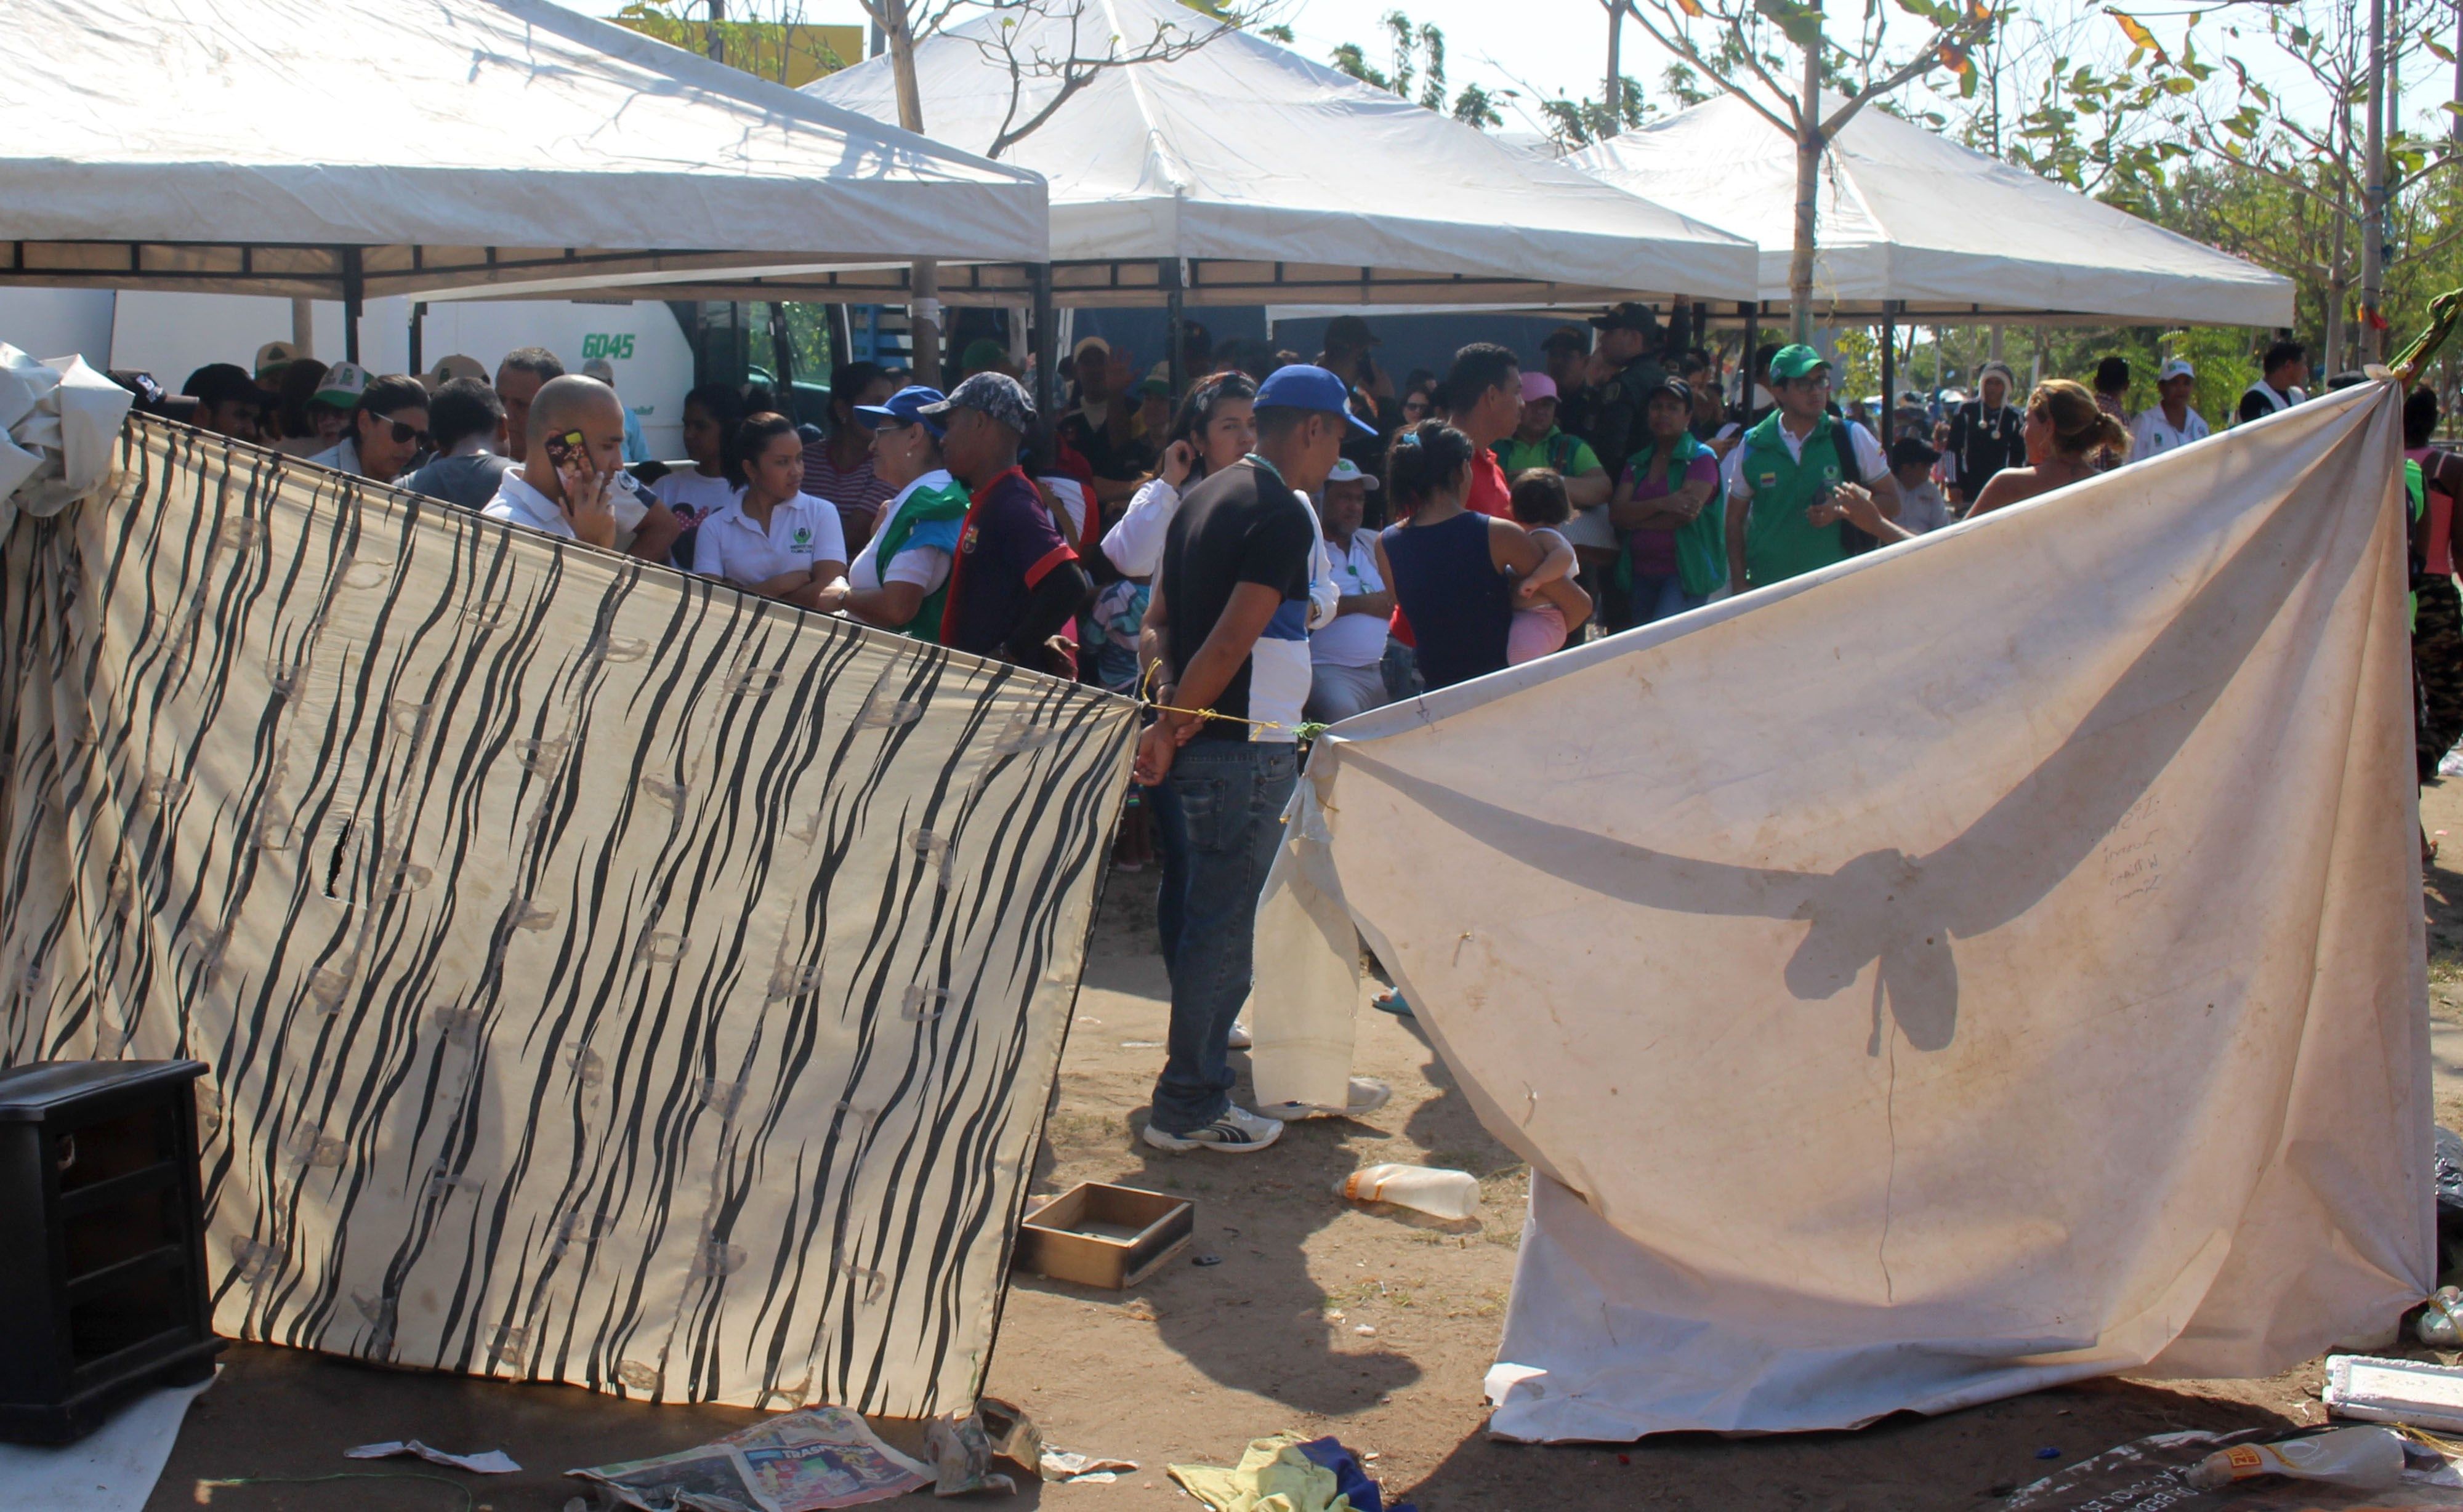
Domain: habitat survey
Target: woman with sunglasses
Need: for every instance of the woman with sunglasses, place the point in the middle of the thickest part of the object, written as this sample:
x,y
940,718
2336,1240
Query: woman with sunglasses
x,y
900,579
386,431
1419,403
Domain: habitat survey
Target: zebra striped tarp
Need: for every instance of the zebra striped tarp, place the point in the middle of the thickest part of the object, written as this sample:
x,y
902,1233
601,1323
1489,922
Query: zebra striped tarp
x,y
607,977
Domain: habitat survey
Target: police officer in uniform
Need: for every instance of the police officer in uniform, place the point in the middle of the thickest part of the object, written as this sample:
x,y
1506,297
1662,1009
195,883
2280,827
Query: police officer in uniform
x,y
1626,370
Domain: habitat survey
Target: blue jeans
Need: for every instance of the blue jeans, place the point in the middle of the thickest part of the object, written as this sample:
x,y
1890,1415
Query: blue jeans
x,y
1221,811
1661,595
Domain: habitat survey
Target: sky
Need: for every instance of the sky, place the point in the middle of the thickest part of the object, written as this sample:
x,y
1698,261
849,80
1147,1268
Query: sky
x,y
1559,47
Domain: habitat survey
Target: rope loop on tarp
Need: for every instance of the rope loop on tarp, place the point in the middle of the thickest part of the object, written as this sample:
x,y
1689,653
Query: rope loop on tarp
x,y
2444,312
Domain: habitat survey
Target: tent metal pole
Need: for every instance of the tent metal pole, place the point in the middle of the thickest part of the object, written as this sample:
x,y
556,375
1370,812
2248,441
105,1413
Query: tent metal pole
x,y
1889,371
353,292
417,320
1043,331
1169,270
1753,313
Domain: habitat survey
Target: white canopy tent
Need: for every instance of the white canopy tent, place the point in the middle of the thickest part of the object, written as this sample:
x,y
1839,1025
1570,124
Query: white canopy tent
x,y
1260,178
1915,227
347,149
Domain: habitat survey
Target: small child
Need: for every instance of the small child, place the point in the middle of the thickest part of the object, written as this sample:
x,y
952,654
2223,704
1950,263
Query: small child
x,y
1921,506
1539,504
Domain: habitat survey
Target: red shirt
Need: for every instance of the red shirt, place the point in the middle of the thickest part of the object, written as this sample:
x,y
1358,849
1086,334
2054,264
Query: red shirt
x,y
1488,495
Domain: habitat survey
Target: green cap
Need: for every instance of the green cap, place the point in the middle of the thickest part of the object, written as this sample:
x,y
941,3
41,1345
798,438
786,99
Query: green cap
x,y
1794,362
982,354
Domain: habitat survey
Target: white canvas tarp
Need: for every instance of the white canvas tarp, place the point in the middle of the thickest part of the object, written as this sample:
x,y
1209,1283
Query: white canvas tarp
x,y
295,147
1280,179
1991,962
1907,215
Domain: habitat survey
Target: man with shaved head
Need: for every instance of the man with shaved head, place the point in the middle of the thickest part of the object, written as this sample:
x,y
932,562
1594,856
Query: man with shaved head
x,y
570,483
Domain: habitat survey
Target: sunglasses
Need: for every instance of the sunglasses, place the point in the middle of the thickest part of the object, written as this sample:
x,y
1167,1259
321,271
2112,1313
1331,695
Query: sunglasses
x,y
404,432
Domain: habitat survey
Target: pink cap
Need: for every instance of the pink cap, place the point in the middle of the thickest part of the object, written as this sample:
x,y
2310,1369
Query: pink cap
x,y
1537,386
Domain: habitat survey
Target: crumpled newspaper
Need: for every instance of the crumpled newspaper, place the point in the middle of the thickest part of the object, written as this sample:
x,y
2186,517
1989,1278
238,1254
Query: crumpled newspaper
x,y
485,1462
59,420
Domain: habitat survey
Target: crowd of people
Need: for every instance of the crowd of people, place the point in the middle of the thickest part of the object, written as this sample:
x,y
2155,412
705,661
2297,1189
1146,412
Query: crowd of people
x,y
1284,542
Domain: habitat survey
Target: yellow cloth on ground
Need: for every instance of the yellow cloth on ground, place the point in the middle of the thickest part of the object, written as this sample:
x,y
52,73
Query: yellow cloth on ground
x,y
1274,1475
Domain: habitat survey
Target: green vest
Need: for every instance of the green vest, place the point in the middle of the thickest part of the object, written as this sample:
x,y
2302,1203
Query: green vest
x,y
1779,544
2415,487
1702,543
922,507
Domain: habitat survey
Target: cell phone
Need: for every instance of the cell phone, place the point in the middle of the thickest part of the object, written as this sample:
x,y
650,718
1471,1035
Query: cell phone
x,y
561,449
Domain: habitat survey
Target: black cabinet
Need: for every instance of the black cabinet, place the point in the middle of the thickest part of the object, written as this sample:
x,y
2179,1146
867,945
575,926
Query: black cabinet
x,y
102,1253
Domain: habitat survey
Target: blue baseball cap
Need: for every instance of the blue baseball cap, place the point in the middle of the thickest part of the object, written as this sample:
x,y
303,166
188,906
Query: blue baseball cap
x,y
906,407
1301,386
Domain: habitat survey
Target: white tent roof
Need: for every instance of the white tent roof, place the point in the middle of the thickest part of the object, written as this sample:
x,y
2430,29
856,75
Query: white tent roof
x,y
1907,215
241,145
1286,182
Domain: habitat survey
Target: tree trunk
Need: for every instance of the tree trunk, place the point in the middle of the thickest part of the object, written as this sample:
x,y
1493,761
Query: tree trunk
x,y
923,277
2373,209
2338,287
1613,94
1808,186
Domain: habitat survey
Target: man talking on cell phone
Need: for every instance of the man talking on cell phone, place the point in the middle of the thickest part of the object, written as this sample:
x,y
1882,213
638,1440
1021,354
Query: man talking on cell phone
x,y
566,485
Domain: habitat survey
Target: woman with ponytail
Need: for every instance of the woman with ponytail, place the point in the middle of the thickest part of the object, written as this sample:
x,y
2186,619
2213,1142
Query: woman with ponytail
x,y
2063,431
1453,572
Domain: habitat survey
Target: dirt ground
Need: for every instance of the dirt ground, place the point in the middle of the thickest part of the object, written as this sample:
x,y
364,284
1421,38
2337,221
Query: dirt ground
x,y
1375,1326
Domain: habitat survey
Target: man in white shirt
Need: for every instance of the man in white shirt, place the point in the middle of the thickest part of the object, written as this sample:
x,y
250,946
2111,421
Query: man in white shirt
x,y
564,490
1347,651
2172,422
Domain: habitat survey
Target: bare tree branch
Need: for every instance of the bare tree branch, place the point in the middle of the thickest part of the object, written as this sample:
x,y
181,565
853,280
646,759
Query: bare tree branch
x,y
1677,42
1070,70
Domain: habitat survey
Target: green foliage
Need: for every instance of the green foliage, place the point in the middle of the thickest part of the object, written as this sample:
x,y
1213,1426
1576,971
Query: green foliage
x,y
1475,107
1684,86
781,48
1574,123
1416,71
808,338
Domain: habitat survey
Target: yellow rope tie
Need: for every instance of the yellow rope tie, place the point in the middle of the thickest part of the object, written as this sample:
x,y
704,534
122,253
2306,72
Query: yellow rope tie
x,y
1306,729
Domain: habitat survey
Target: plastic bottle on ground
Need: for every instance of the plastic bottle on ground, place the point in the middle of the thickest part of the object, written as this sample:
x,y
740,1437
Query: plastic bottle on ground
x,y
2370,1458
1426,1189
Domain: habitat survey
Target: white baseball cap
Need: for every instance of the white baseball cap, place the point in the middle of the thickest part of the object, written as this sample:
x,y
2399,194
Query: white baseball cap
x,y
2177,367
449,368
1349,471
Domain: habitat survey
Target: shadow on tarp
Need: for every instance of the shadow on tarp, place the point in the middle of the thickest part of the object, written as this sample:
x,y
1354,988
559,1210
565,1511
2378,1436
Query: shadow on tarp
x,y
1963,1460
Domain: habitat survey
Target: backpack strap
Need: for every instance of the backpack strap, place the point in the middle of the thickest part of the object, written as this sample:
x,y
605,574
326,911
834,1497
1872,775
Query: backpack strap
x,y
1561,452
1850,535
1842,436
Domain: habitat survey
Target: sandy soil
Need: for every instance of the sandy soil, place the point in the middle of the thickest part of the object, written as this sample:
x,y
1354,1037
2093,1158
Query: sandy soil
x,y
1372,1325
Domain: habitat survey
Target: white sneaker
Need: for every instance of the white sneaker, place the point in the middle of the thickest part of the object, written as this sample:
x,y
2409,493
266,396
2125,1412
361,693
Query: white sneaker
x,y
1367,1097
1238,1132
1240,1040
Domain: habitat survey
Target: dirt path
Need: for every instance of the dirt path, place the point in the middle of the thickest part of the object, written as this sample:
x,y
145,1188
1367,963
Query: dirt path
x,y
1372,1325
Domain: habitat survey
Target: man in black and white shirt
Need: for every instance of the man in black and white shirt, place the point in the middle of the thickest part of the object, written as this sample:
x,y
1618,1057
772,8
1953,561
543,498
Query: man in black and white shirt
x,y
2286,366
1983,434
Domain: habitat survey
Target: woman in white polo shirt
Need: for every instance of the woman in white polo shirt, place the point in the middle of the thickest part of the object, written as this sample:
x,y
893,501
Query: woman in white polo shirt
x,y
775,539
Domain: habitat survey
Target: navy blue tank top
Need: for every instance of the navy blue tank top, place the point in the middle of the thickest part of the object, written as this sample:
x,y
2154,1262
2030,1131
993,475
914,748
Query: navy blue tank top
x,y
1458,601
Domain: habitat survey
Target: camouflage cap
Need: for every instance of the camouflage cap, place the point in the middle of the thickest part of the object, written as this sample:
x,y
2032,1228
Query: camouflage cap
x,y
997,394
